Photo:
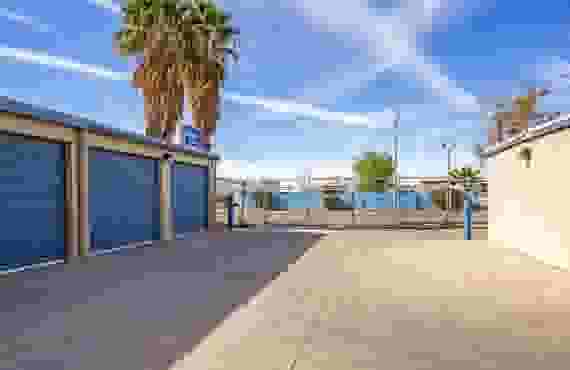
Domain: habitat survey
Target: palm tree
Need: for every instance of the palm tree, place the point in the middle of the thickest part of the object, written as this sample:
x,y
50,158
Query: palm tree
x,y
147,30
204,73
466,175
182,47
525,105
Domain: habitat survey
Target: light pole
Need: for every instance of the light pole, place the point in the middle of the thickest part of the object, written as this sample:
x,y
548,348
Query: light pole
x,y
449,148
396,176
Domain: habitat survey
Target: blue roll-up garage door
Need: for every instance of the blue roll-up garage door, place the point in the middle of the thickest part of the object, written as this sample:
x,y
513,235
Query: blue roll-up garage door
x,y
189,197
124,199
32,201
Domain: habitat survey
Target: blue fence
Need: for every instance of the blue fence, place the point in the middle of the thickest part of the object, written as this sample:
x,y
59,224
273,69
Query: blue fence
x,y
292,200
407,199
313,199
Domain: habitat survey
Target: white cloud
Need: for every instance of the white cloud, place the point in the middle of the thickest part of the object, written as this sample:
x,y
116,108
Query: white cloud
x,y
274,105
241,169
380,119
24,19
352,81
34,57
554,71
390,41
107,4
433,165
423,15
336,88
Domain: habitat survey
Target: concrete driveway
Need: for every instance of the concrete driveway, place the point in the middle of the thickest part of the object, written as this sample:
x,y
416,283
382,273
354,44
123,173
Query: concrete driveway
x,y
360,301
140,309
355,300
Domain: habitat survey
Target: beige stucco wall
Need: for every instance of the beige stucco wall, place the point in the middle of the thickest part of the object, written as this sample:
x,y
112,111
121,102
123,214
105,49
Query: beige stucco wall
x,y
525,211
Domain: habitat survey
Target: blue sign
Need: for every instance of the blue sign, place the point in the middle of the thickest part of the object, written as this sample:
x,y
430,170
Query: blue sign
x,y
192,138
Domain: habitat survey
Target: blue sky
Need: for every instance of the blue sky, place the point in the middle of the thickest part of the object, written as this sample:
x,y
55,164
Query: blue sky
x,y
317,83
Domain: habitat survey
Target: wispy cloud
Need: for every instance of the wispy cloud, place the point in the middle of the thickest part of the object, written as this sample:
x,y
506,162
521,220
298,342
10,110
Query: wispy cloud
x,y
553,71
424,162
283,169
32,22
390,41
381,119
423,16
34,57
281,106
107,4
353,79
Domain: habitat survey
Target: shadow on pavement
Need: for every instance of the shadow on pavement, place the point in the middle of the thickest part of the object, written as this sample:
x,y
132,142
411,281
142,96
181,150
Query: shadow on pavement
x,y
141,309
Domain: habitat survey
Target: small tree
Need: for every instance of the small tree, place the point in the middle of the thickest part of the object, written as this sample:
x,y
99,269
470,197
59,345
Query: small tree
x,y
373,171
440,197
466,175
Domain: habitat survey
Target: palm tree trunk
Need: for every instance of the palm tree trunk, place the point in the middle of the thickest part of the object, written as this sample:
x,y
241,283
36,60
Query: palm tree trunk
x,y
193,81
209,108
499,130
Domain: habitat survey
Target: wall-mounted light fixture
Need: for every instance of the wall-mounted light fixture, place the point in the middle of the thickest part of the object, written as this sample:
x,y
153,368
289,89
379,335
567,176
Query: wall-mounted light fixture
x,y
525,155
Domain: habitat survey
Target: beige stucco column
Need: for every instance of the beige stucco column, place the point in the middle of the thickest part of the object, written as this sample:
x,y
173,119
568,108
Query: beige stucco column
x,y
212,164
166,227
82,170
72,197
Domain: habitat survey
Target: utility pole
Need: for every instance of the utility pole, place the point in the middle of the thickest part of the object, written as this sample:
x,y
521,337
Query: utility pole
x,y
396,175
450,148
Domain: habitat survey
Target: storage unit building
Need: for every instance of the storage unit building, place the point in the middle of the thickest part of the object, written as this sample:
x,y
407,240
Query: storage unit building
x,y
32,201
189,197
124,196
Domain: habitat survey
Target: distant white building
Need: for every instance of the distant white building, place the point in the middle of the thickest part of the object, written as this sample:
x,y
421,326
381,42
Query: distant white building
x,y
331,184
225,186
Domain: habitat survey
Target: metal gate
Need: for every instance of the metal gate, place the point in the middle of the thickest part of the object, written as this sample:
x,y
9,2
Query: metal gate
x,y
124,199
32,201
189,197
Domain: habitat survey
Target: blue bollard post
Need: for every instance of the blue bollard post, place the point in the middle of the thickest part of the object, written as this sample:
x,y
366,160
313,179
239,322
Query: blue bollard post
x,y
468,215
243,195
